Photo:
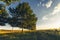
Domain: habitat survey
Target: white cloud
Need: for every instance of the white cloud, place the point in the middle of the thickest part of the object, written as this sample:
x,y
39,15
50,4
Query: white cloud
x,y
44,18
48,26
54,14
39,4
56,9
48,4
53,18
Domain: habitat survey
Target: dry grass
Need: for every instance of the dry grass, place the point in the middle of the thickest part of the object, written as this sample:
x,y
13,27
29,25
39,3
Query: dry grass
x,y
13,31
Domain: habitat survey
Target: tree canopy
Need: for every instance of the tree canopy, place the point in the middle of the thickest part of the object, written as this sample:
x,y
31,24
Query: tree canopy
x,y
8,2
22,15
3,15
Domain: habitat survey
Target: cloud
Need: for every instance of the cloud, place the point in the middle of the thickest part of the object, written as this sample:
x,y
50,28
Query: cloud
x,y
52,20
48,4
39,4
48,26
44,18
56,9
54,14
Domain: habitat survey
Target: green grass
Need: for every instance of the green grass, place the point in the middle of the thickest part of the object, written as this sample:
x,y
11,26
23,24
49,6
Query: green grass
x,y
36,35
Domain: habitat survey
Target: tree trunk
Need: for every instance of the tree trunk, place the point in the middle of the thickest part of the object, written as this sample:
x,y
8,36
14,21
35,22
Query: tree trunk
x,y
12,29
22,30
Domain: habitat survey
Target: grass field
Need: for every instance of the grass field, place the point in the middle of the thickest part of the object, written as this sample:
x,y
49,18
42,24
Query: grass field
x,y
30,35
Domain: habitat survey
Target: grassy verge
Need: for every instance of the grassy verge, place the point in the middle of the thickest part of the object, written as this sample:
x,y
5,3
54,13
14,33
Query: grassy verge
x,y
34,35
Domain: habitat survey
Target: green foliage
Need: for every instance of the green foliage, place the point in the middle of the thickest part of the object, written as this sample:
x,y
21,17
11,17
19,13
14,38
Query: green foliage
x,y
3,15
8,1
3,12
24,16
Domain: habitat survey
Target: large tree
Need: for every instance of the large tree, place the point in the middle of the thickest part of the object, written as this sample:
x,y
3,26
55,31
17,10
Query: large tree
x,y
23,17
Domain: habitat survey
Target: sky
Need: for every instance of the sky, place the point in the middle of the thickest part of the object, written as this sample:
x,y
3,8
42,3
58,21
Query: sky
x,y
47,12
